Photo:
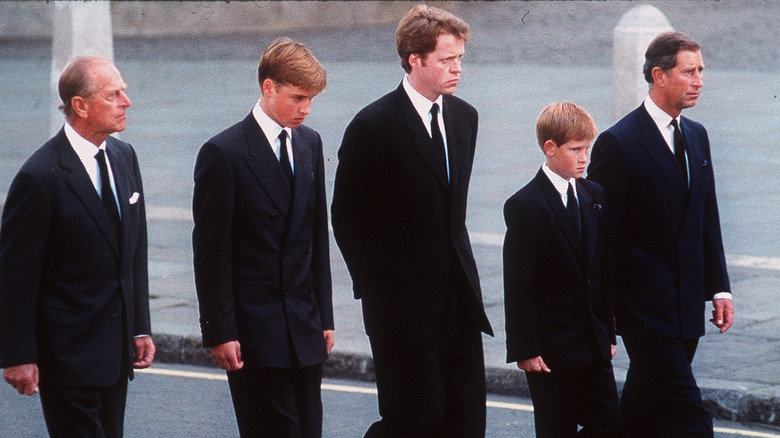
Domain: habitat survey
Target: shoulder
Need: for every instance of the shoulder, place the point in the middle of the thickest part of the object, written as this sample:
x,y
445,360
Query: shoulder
x,y
459,106
306,134
230,135
381,108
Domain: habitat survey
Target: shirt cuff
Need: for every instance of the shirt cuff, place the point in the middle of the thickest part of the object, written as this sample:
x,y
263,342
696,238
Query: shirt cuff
x,y
719,295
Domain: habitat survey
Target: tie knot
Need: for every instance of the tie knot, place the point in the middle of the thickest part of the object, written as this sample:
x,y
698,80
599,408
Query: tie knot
x,y
674,124
435,109
283,137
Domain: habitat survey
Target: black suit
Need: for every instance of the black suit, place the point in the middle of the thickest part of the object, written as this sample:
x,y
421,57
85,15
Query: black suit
x,y
262,267
401,228
71,296
670,260
558,303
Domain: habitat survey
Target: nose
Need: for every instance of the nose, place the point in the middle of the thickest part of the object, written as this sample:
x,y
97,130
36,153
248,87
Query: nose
x,y
306,107
126,100
456,66
698,79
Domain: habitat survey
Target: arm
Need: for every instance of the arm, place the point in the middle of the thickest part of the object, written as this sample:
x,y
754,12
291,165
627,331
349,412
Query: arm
x,y
142,325
212,209
357,174
23,237
321,248
519,301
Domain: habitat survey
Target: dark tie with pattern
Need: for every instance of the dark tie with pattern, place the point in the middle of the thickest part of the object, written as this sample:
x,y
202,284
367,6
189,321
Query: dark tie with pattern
x,y
284,159
437,138
679,149
107,196
573,207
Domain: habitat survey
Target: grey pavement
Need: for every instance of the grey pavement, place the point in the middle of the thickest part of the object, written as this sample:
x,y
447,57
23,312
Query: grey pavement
x,y
522,56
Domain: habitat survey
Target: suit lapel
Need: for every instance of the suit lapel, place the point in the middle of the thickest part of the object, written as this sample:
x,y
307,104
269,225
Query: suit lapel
x,y
421,140
457,140
653,143
304,176
265,167
589,213
562,219
121,169
78,181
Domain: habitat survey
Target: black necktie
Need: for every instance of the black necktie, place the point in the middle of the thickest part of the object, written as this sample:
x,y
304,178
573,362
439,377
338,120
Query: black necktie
x,y
107,196
284,159
437,138
679,149
573,207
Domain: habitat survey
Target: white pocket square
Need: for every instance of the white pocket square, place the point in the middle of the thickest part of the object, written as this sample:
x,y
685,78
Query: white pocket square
x,y
134,198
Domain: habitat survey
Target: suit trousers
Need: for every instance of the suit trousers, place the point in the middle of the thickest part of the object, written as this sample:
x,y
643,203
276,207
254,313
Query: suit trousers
x,y
277,402
436,389
85,412
660,396
568,397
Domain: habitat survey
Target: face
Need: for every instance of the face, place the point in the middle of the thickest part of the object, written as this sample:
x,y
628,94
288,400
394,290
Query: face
x,y
680,87
438,72
286,105
568,160
104,112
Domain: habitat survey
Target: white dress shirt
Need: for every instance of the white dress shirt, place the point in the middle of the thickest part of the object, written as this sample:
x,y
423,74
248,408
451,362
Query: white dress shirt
x,y
561,185
423,107
271,129
87,151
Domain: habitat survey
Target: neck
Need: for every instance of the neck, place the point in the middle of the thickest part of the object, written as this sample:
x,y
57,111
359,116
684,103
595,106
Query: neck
x,y
658,100
95,138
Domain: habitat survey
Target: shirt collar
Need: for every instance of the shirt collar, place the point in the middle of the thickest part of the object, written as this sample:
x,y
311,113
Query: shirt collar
x,y
659,116
270,128
560,184
83,147
421,103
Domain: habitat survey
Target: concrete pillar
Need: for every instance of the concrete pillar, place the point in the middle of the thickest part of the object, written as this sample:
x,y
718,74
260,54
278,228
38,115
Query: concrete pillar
x,y
78,28
633,33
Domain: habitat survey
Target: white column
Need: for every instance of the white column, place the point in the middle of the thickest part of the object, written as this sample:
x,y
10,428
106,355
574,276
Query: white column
x,y
78,28
633,33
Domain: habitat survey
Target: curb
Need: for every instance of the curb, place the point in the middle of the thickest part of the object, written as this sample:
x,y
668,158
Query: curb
x,y
744,406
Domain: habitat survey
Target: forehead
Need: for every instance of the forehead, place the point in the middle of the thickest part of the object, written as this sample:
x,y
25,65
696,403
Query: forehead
x,y
576,144
447,43
106,77
294,90
689,58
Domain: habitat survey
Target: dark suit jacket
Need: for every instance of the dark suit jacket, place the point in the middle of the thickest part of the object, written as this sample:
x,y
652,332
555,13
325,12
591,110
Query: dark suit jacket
x,y
557,290
262,264
398,222
669,249
63,282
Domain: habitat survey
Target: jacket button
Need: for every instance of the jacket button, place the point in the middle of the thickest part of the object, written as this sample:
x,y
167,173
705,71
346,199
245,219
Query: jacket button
x,y
115,315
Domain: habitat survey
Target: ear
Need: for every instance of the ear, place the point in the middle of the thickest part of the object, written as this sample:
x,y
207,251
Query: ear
x,y
80,107
549,147
268,86
659,76
415,60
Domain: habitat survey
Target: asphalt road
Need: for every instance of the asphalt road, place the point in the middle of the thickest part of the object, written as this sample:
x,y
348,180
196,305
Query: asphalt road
x,y
182,401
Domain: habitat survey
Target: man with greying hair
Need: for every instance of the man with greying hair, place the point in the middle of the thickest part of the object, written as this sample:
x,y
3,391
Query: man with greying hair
x,y
74,299
399,218
262,263
656,168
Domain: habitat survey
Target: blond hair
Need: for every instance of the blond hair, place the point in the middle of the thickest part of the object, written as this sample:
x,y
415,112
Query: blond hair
x,y
291,63
564,122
